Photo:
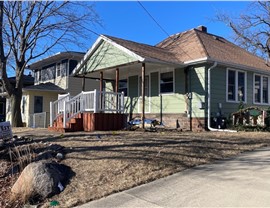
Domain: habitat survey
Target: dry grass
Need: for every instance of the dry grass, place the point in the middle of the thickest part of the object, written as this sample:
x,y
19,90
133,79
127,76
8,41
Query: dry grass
x,y
121,160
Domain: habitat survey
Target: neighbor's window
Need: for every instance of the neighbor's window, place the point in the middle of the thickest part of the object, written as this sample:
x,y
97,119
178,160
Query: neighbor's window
x,y
58,70
123,86
261,89
23,104
236,85
37,75
38,104
166,82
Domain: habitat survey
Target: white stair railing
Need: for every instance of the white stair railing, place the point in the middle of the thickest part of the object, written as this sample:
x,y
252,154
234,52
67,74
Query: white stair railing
x,y
57,107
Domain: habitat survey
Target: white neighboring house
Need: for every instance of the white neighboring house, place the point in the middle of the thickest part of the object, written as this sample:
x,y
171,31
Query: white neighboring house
x,y
52,78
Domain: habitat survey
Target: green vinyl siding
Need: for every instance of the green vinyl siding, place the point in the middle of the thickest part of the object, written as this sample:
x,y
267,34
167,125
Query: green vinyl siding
x,y
156,103
107,56
218,92
179,81
197,86
172,102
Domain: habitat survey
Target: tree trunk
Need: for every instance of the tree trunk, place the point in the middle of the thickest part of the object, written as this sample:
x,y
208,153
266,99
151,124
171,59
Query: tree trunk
x,y
15,102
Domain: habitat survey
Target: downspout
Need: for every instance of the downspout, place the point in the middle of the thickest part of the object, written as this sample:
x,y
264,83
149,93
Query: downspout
x,y
209,103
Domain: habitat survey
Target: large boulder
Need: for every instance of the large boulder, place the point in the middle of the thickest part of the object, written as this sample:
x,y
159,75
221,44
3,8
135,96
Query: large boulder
x,y
40,180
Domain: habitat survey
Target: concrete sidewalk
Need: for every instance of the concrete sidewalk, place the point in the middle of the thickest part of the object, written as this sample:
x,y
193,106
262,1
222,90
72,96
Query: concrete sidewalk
x,y
240,182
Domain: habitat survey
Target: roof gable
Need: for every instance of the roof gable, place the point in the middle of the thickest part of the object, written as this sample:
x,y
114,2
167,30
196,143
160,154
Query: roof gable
x,y
105,54
110,52
220,49
194,45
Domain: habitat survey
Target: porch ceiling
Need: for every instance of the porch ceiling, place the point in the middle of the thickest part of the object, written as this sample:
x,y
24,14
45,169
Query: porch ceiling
x,y
128,70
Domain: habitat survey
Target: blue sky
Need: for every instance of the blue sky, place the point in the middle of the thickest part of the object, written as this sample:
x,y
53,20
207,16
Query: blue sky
x,y
128,20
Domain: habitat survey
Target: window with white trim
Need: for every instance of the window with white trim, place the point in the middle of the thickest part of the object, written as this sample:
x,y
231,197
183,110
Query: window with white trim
x,y
236,85
261,89
166,82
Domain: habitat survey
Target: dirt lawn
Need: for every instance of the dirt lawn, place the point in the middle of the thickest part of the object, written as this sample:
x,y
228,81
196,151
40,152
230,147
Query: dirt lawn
x,y
108,162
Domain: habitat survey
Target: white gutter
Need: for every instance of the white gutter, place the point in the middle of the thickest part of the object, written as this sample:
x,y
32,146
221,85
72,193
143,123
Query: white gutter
x,y
209,103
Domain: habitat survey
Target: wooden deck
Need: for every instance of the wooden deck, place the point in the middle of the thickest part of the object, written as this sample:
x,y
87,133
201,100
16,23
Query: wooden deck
x,y
89,121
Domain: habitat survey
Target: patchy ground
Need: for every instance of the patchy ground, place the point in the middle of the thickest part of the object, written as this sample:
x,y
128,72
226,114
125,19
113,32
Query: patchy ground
x,y
108,162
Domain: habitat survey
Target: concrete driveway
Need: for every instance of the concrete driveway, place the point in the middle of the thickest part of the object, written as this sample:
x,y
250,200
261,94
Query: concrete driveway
x,y
240,182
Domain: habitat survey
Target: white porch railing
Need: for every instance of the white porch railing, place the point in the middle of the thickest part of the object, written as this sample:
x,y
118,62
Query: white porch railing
x,y
92,101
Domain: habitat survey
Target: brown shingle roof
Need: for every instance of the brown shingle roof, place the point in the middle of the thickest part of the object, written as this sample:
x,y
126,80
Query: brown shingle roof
x,y
195,44
146,51
48,86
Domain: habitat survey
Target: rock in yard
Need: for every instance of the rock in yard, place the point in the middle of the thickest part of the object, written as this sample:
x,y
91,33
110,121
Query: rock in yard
x,y
40,180
59,156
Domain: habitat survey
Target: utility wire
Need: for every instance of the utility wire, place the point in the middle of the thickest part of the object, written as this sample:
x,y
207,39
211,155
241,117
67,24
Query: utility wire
x,y
153,19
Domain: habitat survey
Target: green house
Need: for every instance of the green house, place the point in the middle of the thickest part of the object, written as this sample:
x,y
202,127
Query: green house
x,y
182,81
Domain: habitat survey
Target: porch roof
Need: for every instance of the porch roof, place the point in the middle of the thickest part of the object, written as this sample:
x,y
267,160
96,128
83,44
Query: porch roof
x,y
45,87
110,52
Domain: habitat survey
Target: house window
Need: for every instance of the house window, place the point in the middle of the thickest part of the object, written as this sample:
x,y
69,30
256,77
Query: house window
x,y
146,86
123,86
261,89
257,89
231,85
236,85
166,82
265,90
38,104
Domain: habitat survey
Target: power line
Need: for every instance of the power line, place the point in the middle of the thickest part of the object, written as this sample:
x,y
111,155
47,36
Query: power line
x,y
153,19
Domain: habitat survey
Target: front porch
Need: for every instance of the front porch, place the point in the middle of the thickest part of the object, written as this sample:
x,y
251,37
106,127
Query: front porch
x,y
88,111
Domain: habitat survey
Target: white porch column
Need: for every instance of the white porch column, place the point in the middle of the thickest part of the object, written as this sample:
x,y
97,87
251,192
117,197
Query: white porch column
x,y
116,89
51,114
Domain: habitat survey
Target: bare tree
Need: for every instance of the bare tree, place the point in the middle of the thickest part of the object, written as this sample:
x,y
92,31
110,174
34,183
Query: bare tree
x,y
252,29
31,29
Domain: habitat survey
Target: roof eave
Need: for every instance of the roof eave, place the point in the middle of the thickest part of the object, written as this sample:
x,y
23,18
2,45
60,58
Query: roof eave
x,y
52,58
157,61
228,64
43,90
